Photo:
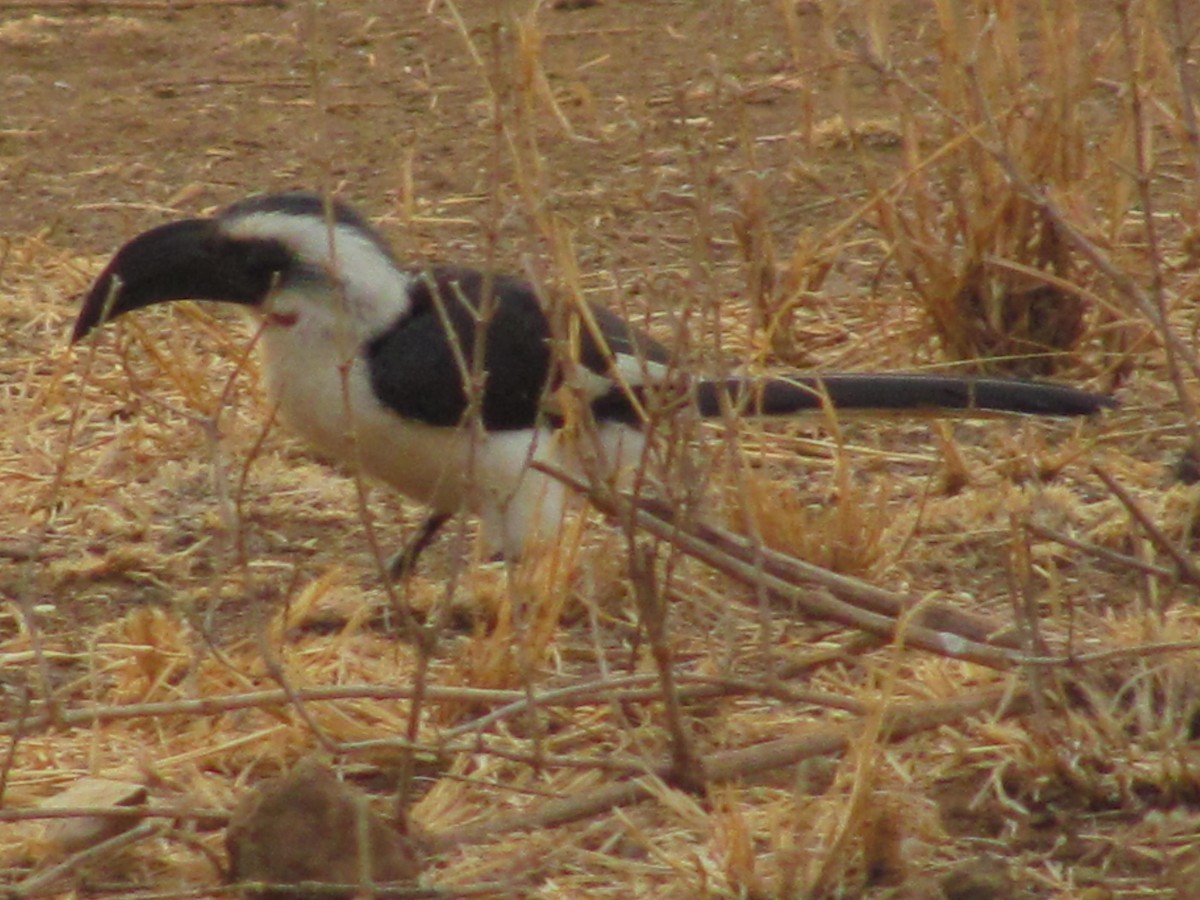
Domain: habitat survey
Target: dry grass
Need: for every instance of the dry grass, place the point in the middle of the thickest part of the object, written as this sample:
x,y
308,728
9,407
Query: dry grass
x,y
192,604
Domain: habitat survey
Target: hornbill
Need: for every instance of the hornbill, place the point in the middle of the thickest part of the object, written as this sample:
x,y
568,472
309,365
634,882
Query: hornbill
x,y
446,383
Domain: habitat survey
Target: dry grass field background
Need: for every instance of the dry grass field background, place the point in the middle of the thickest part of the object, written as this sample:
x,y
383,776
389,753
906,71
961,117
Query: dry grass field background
x,y
983,686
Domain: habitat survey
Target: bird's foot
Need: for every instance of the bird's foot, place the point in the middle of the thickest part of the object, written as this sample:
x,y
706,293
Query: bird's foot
x,y
404,563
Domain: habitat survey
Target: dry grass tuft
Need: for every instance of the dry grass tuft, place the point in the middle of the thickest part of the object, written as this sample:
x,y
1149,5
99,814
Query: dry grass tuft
x,y
1000,282
842,532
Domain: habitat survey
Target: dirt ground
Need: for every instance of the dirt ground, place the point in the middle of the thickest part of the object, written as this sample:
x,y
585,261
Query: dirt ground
x,y
156,547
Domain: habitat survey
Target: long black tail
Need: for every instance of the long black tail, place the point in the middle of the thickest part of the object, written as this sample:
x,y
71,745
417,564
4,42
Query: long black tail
x,y
781,396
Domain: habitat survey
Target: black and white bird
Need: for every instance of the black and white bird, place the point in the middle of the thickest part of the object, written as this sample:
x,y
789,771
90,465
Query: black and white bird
x,y
373,362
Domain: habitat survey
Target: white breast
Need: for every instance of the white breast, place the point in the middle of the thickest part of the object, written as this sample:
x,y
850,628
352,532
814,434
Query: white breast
x,y
323,392
322,388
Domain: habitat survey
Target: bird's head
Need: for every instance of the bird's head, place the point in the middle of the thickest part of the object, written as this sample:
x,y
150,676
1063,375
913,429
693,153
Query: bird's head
x,y
286,255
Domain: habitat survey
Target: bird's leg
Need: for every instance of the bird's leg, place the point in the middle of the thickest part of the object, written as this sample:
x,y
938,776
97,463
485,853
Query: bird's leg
x,y
405,562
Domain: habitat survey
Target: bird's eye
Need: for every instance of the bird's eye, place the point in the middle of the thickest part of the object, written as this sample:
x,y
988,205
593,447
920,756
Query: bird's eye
x,y
264,260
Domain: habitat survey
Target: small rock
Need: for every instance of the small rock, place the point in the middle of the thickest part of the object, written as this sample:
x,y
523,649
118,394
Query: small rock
x,y
75,834
306,826
1187,466
983,878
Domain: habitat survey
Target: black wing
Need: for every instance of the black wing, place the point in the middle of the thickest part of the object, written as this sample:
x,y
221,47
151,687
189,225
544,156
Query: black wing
x,y
416,371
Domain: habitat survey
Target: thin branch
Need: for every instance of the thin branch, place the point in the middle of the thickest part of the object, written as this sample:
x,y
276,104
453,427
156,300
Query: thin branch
x,y
624,689
211,817
1181,44
1187,569
209,706
934,627
39,883
687,770
102,6
1143,177
1121,559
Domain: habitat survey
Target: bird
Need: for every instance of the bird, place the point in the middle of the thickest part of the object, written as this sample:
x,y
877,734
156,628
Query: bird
x,y
455,385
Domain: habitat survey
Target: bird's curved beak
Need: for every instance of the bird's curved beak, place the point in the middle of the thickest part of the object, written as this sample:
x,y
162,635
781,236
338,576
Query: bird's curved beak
x,y
186,260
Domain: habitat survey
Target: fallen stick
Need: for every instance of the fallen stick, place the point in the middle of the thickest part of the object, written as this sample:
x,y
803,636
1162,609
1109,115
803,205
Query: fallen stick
x,y
899,722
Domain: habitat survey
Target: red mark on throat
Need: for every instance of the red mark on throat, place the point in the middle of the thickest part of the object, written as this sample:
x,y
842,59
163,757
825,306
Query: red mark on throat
x,y
282,319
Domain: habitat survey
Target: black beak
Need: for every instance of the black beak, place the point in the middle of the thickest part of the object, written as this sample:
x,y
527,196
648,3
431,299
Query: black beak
x,y
187,260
